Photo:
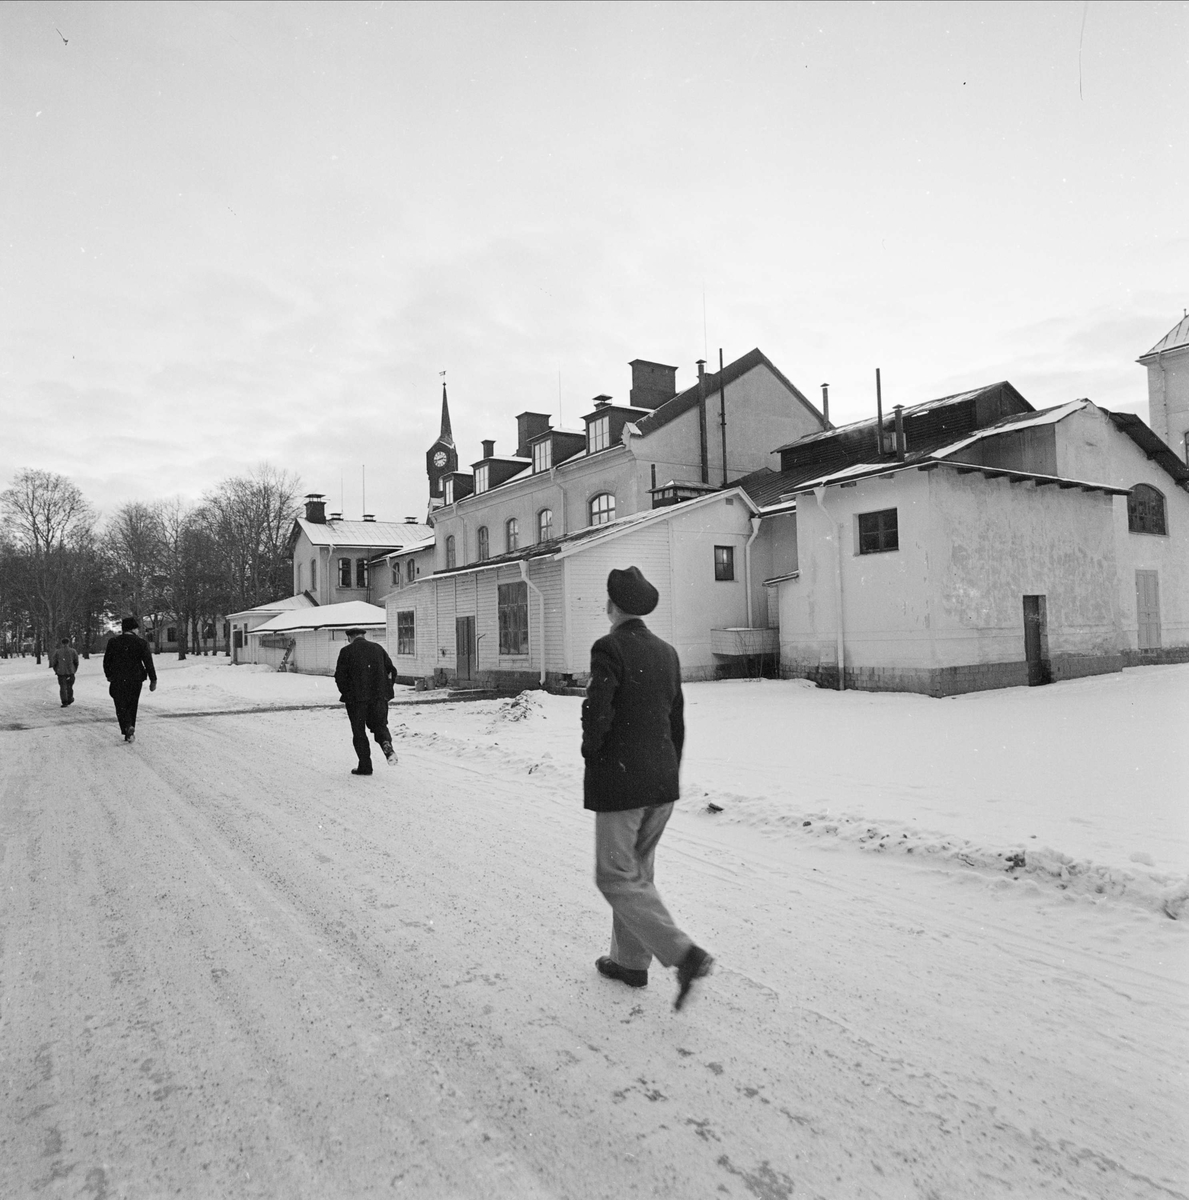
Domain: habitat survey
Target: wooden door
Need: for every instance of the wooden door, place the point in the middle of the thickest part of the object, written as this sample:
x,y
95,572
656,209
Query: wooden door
x,y
1036,641
1147,607
464,647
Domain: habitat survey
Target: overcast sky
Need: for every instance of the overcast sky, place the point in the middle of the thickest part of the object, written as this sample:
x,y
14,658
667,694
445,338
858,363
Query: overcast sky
x,y
235,233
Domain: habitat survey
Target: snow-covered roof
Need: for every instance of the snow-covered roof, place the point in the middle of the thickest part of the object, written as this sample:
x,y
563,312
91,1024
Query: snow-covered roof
x,y
409,547
301,600
326,616
1175,339
1048,416
389,535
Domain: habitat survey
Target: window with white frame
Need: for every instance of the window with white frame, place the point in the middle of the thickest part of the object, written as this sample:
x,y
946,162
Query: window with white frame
x,y
602,508
395,566
344,572
724,563
512,533
543,455
598,434
299,587
480,479
410,570
313,574
448,491
451,553
361,572
484,547
406,642
513,618
545,525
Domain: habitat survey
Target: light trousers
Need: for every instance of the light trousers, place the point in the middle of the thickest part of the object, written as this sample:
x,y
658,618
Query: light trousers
x,y
641,927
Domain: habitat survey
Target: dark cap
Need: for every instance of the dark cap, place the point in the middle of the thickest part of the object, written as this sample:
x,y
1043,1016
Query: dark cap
x,y
631,592
129,623
355,631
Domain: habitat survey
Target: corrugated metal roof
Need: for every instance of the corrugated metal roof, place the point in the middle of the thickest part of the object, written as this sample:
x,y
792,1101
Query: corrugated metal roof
x,y
1176,338
391,535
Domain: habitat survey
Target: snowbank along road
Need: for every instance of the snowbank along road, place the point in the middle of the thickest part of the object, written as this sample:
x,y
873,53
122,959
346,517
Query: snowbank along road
x,y
230,969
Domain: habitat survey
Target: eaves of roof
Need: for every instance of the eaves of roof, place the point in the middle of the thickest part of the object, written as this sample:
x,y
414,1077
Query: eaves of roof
x,y
853,474
1177,338
714,383
1157,450
572,543
390,534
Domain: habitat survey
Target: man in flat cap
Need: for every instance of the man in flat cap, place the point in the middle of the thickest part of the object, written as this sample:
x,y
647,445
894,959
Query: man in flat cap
x,y
365,676
633,730
127,663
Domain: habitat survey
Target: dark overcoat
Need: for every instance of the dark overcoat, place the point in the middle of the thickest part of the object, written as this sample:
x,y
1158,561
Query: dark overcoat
x,y
633,723
128,659
364,673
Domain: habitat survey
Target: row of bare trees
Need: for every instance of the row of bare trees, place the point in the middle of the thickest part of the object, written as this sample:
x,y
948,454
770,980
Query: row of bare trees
x,y
65,573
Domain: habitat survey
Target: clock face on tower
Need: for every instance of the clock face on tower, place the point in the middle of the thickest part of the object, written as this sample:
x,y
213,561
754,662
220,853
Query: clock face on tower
x,y
439,459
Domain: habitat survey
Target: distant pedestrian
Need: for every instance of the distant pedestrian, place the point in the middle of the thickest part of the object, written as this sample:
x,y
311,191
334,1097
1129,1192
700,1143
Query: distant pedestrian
x,y
64,664
127,663
633,730
365,677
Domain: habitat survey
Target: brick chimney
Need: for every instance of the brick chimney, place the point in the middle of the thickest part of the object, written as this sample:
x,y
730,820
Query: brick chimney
x,y
316,508
528,425
652,383
488,447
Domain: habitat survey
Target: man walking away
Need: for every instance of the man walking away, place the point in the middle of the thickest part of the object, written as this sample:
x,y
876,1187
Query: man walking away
x,y
64,664
127,663
365,676
633,730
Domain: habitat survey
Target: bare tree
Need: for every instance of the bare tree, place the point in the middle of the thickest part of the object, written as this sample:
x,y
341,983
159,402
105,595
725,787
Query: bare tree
x,y
51,524
132,540
249,518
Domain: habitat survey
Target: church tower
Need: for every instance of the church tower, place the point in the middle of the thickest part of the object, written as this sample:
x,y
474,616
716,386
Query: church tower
x,y
441,458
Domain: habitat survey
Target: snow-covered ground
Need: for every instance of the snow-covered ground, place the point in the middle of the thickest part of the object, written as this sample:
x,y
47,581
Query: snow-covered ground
x,y
952,936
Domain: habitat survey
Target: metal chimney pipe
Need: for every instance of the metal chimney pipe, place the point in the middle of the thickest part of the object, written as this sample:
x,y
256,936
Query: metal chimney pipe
x,y
879,414
826,402
702,419
900,444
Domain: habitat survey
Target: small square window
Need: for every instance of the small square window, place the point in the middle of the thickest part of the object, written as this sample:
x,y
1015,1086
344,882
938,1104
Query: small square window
x,y
724,562
878,531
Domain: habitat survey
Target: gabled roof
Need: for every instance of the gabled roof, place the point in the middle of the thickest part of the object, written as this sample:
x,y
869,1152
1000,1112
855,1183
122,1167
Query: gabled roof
x,y
684,401
1175,339
301,600
390,535
326,616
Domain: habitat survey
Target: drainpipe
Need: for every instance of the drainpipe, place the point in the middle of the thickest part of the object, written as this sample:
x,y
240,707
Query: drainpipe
x,y
722,417
818,493
755,532
532,587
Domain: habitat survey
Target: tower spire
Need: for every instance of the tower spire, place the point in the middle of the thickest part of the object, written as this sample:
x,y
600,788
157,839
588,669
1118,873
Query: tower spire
x,y
445,436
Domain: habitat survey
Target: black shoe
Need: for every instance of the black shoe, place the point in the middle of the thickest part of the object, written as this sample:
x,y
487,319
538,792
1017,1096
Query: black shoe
x,y
389,753
130,736
696,964
609,967
361,770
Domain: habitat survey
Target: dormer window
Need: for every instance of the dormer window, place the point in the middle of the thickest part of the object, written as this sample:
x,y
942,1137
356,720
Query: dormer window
x,y
543,455
598,434
481,479
449,491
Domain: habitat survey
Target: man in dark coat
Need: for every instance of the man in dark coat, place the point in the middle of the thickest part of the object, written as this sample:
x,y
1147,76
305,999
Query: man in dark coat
x,y
64,664
127,663
365,676
633,730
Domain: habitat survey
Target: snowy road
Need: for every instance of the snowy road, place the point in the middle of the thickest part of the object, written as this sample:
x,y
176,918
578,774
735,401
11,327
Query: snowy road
x,y
228,968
